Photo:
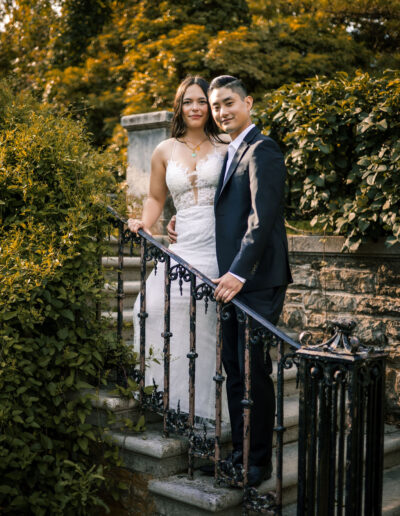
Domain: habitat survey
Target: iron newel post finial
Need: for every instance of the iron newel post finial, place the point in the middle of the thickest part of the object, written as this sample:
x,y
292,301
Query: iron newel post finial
x,y
341,342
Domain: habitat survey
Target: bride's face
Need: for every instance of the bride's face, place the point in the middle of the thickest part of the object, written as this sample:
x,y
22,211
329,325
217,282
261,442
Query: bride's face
x,y
194,107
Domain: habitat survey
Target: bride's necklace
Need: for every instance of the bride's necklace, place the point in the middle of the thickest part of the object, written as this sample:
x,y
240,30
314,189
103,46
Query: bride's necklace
x,y
196,148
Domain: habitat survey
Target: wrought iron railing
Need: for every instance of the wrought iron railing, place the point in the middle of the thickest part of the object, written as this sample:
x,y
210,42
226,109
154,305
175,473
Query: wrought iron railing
x,y
201,289
338,379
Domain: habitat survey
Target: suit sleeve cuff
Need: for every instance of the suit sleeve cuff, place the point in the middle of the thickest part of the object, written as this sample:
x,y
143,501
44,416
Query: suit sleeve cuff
x,y
243,280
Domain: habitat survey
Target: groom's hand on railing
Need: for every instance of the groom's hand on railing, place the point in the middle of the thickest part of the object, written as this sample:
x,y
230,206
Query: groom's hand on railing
x,y
135,224
172,234
228,287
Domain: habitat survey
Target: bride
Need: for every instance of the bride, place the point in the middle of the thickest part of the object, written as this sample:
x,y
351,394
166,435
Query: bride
x,y
188,165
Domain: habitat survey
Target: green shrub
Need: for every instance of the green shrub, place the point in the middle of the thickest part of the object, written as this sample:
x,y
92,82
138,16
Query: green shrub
x,y
53,186
341,139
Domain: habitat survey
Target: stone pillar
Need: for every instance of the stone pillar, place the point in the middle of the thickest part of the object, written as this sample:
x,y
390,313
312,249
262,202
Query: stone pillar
x,y
145,132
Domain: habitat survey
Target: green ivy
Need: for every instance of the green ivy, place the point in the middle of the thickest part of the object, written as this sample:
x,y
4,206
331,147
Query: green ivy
x,y
53,347
341,139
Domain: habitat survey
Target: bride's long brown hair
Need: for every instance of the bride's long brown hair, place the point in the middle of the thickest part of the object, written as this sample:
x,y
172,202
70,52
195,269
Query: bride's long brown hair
x,y
178,127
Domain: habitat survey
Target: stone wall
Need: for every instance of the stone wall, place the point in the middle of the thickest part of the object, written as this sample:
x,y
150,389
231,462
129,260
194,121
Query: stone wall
x,y
363,286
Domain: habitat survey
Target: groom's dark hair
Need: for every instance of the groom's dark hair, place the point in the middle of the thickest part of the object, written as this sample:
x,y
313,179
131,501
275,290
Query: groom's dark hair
x,y
228,81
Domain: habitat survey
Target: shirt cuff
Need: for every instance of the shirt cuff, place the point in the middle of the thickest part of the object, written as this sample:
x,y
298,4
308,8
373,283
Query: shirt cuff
x,y
243,280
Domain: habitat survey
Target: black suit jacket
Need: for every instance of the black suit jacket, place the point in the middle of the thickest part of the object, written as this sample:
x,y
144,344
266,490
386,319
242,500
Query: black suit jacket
x,y
250,231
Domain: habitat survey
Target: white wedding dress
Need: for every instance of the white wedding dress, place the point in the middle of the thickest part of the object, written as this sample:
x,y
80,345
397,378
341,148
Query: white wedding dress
x,y
193,196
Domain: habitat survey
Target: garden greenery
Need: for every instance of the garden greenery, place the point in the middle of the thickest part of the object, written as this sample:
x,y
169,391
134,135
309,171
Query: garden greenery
x,y
53,186
341,140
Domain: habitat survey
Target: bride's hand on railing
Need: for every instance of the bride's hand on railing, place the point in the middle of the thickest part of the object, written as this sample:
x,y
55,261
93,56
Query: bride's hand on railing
x,y
135,224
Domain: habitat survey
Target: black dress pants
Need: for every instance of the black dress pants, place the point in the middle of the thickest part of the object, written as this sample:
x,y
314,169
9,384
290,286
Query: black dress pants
x,y
267,303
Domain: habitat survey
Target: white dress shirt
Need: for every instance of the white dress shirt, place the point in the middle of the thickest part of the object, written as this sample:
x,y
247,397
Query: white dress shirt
x,y
234,145
232,148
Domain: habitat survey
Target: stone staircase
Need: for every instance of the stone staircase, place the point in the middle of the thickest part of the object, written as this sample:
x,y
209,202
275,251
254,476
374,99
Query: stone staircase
x,y
155,467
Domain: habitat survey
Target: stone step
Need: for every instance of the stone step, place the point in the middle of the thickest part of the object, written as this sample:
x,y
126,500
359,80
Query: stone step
x,y
391,497
131,291
392,446
151,453
103,401
112,243
181,496
130,271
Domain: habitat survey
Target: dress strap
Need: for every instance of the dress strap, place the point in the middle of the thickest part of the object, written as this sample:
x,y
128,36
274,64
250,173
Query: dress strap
x,y
173,149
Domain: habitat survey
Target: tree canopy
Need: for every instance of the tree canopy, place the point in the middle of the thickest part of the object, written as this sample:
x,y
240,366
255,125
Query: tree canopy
x,y
98,59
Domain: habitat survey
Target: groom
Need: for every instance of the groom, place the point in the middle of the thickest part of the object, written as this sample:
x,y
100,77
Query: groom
x,y
252,256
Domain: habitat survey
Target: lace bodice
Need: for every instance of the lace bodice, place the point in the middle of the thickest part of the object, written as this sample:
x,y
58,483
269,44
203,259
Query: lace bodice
x,y
196,187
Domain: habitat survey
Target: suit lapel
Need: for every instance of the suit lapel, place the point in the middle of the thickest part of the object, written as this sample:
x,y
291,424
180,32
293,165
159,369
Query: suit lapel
x,y
235,161
221,177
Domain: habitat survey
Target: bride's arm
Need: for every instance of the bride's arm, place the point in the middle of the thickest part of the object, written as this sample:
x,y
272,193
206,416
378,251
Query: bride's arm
x,y
154,204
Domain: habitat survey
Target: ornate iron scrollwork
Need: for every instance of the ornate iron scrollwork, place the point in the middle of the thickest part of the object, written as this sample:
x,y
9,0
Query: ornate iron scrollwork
x,y
341,411
202,446
255,502
154,400
154,254
259,334
334,374
289,360
129,236
340,375
179,271
273,341
177,421
204,291
305,338
226,311
229,474
241,316
135,374
316,371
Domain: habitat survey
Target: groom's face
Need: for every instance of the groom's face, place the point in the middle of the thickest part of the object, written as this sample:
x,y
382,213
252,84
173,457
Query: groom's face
x,y
230,111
